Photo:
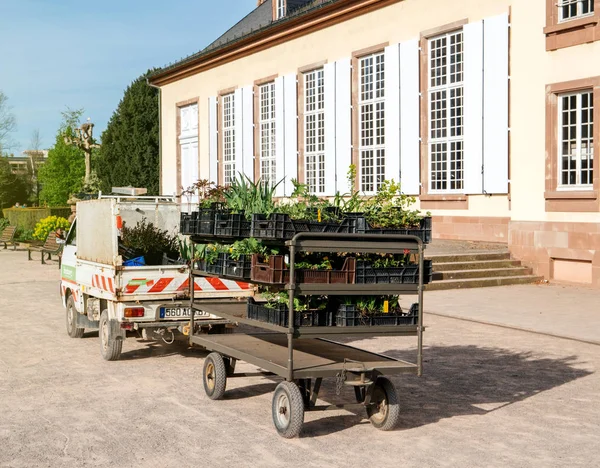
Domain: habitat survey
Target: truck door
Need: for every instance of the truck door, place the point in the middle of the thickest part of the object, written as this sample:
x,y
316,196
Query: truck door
x,y
69,256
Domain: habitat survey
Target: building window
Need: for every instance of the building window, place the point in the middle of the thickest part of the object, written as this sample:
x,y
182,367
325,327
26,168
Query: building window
x,y
573,9
314,130
280,9
446,91
268,173
372,122
188,146
228,138
576,140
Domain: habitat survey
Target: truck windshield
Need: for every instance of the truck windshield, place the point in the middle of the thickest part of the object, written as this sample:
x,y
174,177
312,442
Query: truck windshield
x,y
72,237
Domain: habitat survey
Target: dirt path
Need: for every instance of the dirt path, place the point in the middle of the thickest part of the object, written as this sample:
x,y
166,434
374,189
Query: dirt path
x,y
490,397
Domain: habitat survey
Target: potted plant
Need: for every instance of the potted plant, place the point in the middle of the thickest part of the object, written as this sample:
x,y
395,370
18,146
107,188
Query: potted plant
x,y
146,240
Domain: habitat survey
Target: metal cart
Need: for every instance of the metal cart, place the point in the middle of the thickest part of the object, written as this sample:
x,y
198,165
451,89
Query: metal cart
x,y
304,356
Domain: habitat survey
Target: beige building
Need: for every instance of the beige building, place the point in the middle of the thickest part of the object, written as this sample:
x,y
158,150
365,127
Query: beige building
x,y
483,109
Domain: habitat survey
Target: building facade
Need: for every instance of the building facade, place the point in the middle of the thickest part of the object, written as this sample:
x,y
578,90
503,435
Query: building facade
x,y
483,110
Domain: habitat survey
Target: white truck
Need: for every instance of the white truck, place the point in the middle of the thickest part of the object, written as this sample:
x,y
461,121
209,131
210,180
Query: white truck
x,y
150,302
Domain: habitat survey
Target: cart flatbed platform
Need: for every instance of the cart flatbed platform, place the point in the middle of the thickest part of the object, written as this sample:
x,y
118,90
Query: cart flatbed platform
x,y
313,357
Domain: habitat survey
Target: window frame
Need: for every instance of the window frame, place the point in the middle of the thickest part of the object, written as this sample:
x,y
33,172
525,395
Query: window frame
x,y
578,141
579,6
577,199
377,101
561,33
228,160
271,122
183,139
448,140
319,135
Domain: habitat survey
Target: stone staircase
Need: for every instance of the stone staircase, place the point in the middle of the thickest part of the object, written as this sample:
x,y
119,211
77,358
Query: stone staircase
x,y
477,270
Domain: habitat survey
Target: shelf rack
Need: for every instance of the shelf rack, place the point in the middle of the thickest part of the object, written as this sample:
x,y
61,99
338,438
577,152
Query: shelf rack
x,y
299,354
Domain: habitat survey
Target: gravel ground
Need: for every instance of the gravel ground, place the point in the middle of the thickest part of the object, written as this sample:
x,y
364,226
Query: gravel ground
x,y
490,397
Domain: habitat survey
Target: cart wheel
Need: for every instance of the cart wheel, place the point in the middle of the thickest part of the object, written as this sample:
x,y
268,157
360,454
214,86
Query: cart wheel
x,y
288,410
215,376
384,411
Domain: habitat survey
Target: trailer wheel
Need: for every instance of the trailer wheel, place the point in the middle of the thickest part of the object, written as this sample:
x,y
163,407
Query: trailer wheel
x,y
288,410
214,376
110,347
72,329
384,411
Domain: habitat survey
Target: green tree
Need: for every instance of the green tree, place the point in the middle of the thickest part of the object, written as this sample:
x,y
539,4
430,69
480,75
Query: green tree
x,y
63,172
8,124
129,152
13,188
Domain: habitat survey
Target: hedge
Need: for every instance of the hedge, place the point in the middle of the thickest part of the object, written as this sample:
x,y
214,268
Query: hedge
x,y
26,218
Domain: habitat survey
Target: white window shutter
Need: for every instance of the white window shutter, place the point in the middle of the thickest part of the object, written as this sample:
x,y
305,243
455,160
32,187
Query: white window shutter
x,y
238,147
343,120
194,163
279,137
213,139
247,134
495,98
330,131
392,112
410,143
291,131
185,155
473,107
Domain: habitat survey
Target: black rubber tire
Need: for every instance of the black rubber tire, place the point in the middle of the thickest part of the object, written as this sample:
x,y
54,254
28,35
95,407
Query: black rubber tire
x,y
71,315
384,411
287,410
110,347
214,376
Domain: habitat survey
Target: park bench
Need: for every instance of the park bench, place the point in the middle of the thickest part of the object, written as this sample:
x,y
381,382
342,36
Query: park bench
x,y
50,247
8,237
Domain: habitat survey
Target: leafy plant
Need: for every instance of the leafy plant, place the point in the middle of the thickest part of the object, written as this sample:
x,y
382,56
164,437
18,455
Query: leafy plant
x,y
251,246
308,206
245,196
3,224
144,239
208,193
48,225
374,305
24,235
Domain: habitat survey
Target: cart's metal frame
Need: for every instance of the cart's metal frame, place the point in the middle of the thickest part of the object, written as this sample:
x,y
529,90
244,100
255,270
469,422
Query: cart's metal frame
x,y
307,353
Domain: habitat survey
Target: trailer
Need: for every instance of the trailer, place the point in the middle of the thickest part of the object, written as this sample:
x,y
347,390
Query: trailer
x,y
305,355
150,302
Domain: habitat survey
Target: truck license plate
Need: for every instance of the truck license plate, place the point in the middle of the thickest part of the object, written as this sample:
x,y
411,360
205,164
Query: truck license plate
x,y
174,312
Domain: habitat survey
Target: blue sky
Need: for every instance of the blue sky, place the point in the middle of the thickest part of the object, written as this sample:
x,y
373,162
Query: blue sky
x,y
56,54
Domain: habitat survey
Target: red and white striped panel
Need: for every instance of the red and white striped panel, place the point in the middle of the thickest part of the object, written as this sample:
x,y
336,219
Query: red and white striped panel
x,y
173,285
105,283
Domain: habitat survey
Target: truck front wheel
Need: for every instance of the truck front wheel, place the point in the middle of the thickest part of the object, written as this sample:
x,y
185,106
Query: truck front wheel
x,y
110,346
72,329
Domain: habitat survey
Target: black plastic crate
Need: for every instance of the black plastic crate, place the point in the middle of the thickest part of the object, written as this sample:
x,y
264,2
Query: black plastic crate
x,y
215,268
423,232
278,315
407,274
348,316
238,269
232,225
203,223
281,227
185,224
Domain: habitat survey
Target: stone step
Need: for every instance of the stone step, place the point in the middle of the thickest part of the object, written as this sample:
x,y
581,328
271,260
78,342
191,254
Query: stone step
x,y
483,273
477,265
469,257
482,282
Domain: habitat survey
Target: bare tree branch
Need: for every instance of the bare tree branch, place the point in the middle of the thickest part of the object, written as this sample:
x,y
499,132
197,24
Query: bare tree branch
x,y
8,123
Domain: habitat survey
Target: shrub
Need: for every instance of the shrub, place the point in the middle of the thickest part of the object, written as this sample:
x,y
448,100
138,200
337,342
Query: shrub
x,y
24,235
48,225
3,224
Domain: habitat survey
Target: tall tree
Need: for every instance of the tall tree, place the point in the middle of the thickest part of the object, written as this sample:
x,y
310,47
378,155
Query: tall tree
x,y
63,172
129,152
8,124
13,188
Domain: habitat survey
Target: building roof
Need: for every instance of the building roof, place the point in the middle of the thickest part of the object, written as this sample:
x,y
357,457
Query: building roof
x,y
258,20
